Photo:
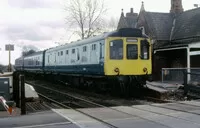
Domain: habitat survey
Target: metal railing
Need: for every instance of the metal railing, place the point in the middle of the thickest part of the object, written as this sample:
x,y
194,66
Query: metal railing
x,y
176,75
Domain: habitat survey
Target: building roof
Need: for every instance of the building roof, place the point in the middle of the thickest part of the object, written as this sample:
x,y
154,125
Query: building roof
x,y
187,25
128,21
160,24
131,21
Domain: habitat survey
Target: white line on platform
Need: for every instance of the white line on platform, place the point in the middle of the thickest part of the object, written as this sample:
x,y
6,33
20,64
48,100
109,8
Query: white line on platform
x,y
42,125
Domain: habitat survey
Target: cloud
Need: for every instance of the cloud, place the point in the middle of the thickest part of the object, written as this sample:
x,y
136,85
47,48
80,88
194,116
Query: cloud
x,y
32,32
34,3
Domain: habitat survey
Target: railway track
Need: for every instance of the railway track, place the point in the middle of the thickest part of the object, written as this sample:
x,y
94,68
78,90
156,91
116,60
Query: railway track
x,y
92,104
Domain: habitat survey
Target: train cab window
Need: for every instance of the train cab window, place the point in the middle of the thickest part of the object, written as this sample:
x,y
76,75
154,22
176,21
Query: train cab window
x,y
144,48
116,49
73,51
132,51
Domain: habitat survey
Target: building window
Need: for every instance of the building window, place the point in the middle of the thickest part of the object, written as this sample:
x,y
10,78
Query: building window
x,y
66,51
61,53
58,53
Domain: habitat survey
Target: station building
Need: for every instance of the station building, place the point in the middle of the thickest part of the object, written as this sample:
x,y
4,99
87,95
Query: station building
x,y
175,35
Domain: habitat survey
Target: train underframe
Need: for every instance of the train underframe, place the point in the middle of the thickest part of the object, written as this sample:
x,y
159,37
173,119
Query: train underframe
x,y
115,85
125,86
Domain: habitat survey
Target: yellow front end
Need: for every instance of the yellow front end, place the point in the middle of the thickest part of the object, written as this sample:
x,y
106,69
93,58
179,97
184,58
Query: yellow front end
x,y
127,56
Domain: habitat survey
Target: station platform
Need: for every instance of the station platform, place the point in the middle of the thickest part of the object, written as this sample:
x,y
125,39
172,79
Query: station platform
x,y
184,114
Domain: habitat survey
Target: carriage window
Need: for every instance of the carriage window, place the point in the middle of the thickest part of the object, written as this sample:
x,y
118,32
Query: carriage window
x,y
93,47
132,51
116,49
73,51
84,48
144,48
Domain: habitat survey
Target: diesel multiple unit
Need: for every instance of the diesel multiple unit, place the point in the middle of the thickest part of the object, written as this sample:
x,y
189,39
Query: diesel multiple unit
x,y
123,55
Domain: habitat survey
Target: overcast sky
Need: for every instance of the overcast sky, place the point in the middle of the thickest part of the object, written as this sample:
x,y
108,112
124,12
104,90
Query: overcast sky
x,y
41,22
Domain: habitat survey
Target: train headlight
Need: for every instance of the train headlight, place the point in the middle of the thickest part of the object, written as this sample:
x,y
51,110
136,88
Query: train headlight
x,y
144,69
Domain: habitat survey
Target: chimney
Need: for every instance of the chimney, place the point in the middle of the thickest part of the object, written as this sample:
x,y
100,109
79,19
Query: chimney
x,y
131,10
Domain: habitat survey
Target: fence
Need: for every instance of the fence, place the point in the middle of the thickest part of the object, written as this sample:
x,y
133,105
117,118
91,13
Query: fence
x,y
176,75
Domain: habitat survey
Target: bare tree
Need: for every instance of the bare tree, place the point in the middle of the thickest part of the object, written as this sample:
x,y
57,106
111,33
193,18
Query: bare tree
x,y
86,15
111,24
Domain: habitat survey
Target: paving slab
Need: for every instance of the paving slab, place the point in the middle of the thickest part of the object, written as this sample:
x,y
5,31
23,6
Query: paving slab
x,y
80,119
105,113
42,119
136,123
172,113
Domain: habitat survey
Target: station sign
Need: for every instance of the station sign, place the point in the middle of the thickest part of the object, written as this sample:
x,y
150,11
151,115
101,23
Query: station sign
x,y
9,47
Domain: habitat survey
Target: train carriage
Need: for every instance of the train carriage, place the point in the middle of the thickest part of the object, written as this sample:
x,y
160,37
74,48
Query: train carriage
x,y
122,57
34,62
125,52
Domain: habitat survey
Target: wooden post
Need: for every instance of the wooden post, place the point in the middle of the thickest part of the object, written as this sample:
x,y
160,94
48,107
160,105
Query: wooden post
x,y
16,88
185,82
23,98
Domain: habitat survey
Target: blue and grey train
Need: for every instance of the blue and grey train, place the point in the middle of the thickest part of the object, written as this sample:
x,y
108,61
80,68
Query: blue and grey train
x,y
123,55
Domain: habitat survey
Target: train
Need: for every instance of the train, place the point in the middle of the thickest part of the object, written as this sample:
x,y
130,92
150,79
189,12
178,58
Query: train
x,y
118,60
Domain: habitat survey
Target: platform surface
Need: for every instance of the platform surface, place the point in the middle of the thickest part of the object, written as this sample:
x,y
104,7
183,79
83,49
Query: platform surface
x,y
172,115
47,119
185,114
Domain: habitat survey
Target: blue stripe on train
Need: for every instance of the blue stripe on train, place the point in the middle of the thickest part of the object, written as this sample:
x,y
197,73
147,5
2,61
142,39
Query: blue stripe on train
x,y
92,69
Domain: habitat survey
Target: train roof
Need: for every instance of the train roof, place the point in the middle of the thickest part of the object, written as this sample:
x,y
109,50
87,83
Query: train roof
x,y
124,32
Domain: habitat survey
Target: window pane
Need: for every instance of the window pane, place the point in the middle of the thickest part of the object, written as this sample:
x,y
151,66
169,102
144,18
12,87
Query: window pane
x,y
73,51
132,51
116,49
144,50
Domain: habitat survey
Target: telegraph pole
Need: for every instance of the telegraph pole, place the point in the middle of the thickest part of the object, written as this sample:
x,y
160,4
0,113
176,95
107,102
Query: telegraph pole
x,y
9,48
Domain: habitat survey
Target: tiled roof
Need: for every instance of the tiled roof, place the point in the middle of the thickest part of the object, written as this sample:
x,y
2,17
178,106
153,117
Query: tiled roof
x,y
187,25
131,21
160,24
